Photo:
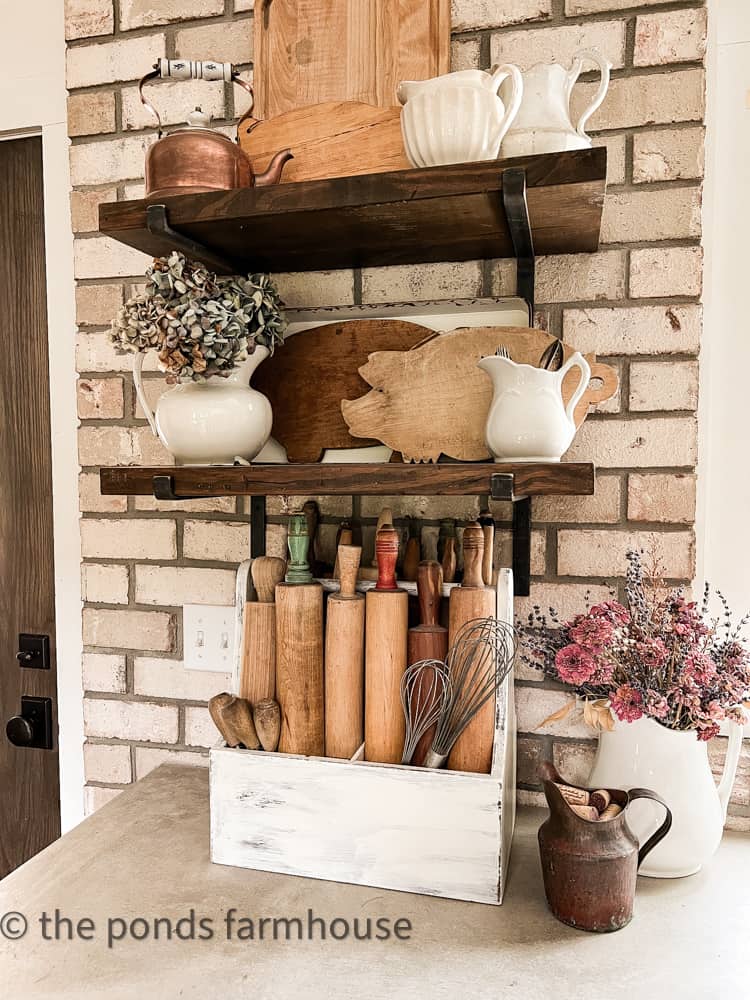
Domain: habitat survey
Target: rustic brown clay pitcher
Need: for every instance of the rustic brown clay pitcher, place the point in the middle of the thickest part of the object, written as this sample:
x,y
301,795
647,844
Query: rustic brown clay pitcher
x,y
590,866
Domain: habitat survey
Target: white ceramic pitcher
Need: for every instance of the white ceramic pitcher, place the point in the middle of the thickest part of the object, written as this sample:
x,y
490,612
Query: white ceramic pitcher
x,y
674,764
543,123
528,420
216,422
458,117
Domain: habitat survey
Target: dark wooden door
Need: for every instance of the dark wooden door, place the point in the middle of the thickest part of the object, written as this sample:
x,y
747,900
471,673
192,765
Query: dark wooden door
x,y
29,778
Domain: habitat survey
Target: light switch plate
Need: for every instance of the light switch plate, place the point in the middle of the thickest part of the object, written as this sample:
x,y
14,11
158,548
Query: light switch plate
x,y
208,637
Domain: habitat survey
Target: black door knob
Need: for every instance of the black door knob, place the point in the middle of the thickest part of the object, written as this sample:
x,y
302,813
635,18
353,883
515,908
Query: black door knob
x,y
20,731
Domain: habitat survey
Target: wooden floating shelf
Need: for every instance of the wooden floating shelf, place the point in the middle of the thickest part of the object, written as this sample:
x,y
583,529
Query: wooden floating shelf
x,y
392,479
404,217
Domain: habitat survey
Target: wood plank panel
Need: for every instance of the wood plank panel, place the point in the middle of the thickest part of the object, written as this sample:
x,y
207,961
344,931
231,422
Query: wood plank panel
x,y
29,782
395,478
407,216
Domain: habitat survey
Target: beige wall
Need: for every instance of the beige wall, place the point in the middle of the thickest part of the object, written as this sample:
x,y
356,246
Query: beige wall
x,y
636,303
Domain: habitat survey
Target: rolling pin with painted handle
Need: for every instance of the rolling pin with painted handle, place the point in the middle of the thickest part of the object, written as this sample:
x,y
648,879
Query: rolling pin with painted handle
x,y
299,650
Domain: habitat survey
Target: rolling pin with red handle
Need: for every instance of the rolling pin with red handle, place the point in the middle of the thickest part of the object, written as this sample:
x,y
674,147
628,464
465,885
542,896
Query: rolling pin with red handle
x,y
473,749
299,650
345,660
386,627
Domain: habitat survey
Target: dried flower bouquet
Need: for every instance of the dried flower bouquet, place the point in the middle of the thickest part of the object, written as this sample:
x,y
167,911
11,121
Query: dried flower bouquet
x,y
660,656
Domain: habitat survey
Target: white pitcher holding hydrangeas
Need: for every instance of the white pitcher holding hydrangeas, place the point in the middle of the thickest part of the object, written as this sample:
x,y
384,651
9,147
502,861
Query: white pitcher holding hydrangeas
x,y
210,334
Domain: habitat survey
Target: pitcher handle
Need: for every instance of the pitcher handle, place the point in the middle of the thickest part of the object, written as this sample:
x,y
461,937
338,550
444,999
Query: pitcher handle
x,y
499,75
575,361
594,56
655,838
732,759
140,393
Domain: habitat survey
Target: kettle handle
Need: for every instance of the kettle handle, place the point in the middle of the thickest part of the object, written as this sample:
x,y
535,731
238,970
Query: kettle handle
x,y
575,361
140,393
193,69
499,75
655,838
594,56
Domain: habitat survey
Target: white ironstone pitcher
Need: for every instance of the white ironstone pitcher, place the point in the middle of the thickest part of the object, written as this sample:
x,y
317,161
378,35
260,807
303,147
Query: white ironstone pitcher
x,y
543,123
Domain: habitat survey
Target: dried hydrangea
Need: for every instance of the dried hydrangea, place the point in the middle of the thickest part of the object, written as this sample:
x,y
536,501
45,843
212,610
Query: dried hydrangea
x,y
200,324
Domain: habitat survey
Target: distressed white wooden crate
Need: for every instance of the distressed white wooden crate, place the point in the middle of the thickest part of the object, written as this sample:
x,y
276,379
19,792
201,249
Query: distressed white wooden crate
x,y
440,833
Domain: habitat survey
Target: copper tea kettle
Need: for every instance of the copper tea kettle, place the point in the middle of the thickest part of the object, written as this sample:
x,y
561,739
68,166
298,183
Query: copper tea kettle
x,y
196,158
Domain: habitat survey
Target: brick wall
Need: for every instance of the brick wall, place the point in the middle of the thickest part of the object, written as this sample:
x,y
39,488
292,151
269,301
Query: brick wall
x,y
635,302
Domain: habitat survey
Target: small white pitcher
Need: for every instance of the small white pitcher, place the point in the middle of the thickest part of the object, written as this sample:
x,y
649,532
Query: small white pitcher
x,y
543,123
528,420
458,117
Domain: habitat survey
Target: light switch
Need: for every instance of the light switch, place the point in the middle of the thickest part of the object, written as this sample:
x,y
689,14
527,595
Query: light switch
x,y
208,637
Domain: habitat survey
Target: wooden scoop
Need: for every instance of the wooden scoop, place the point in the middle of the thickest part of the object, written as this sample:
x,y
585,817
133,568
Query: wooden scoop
x,y
258,668
234,719
267,719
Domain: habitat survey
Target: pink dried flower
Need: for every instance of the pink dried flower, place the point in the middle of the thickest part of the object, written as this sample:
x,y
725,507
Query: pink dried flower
x,y
627,703
593,633
700,667
652,652
706,733
611,609
656,704
575,665
603,674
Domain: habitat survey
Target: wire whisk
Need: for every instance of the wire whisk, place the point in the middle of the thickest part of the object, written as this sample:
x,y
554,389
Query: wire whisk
x,y
425,689
478,662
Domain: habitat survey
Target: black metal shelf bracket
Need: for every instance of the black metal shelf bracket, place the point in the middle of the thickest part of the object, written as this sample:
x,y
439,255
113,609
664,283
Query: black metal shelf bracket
x,y
257,527
163,488
517,213
157,223
501,488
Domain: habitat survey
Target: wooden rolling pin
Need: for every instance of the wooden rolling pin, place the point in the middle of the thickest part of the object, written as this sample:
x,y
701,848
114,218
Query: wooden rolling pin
x,y
428,640
299,650
473,749
258,669
345,660
344,537
387,622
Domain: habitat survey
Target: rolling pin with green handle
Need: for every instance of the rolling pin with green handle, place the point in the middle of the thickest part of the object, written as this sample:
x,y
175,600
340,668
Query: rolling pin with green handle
x,y
299,650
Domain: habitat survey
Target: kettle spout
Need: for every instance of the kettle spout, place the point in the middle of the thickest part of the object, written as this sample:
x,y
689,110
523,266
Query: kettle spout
x,y
273,174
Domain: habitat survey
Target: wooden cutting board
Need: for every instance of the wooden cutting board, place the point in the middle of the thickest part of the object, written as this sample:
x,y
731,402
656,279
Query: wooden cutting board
x,y
312,51
309,376
433,400
336,139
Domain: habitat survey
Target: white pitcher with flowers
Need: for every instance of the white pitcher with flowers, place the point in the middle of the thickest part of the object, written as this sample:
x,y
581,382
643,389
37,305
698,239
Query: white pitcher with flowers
x,y
659,678
210,334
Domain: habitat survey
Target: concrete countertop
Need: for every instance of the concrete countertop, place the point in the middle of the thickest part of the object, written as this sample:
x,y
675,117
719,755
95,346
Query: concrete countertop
x,y
146,855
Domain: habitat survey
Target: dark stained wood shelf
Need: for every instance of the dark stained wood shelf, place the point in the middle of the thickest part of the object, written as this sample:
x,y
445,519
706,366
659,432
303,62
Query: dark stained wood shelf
x,y
391,479
404,217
